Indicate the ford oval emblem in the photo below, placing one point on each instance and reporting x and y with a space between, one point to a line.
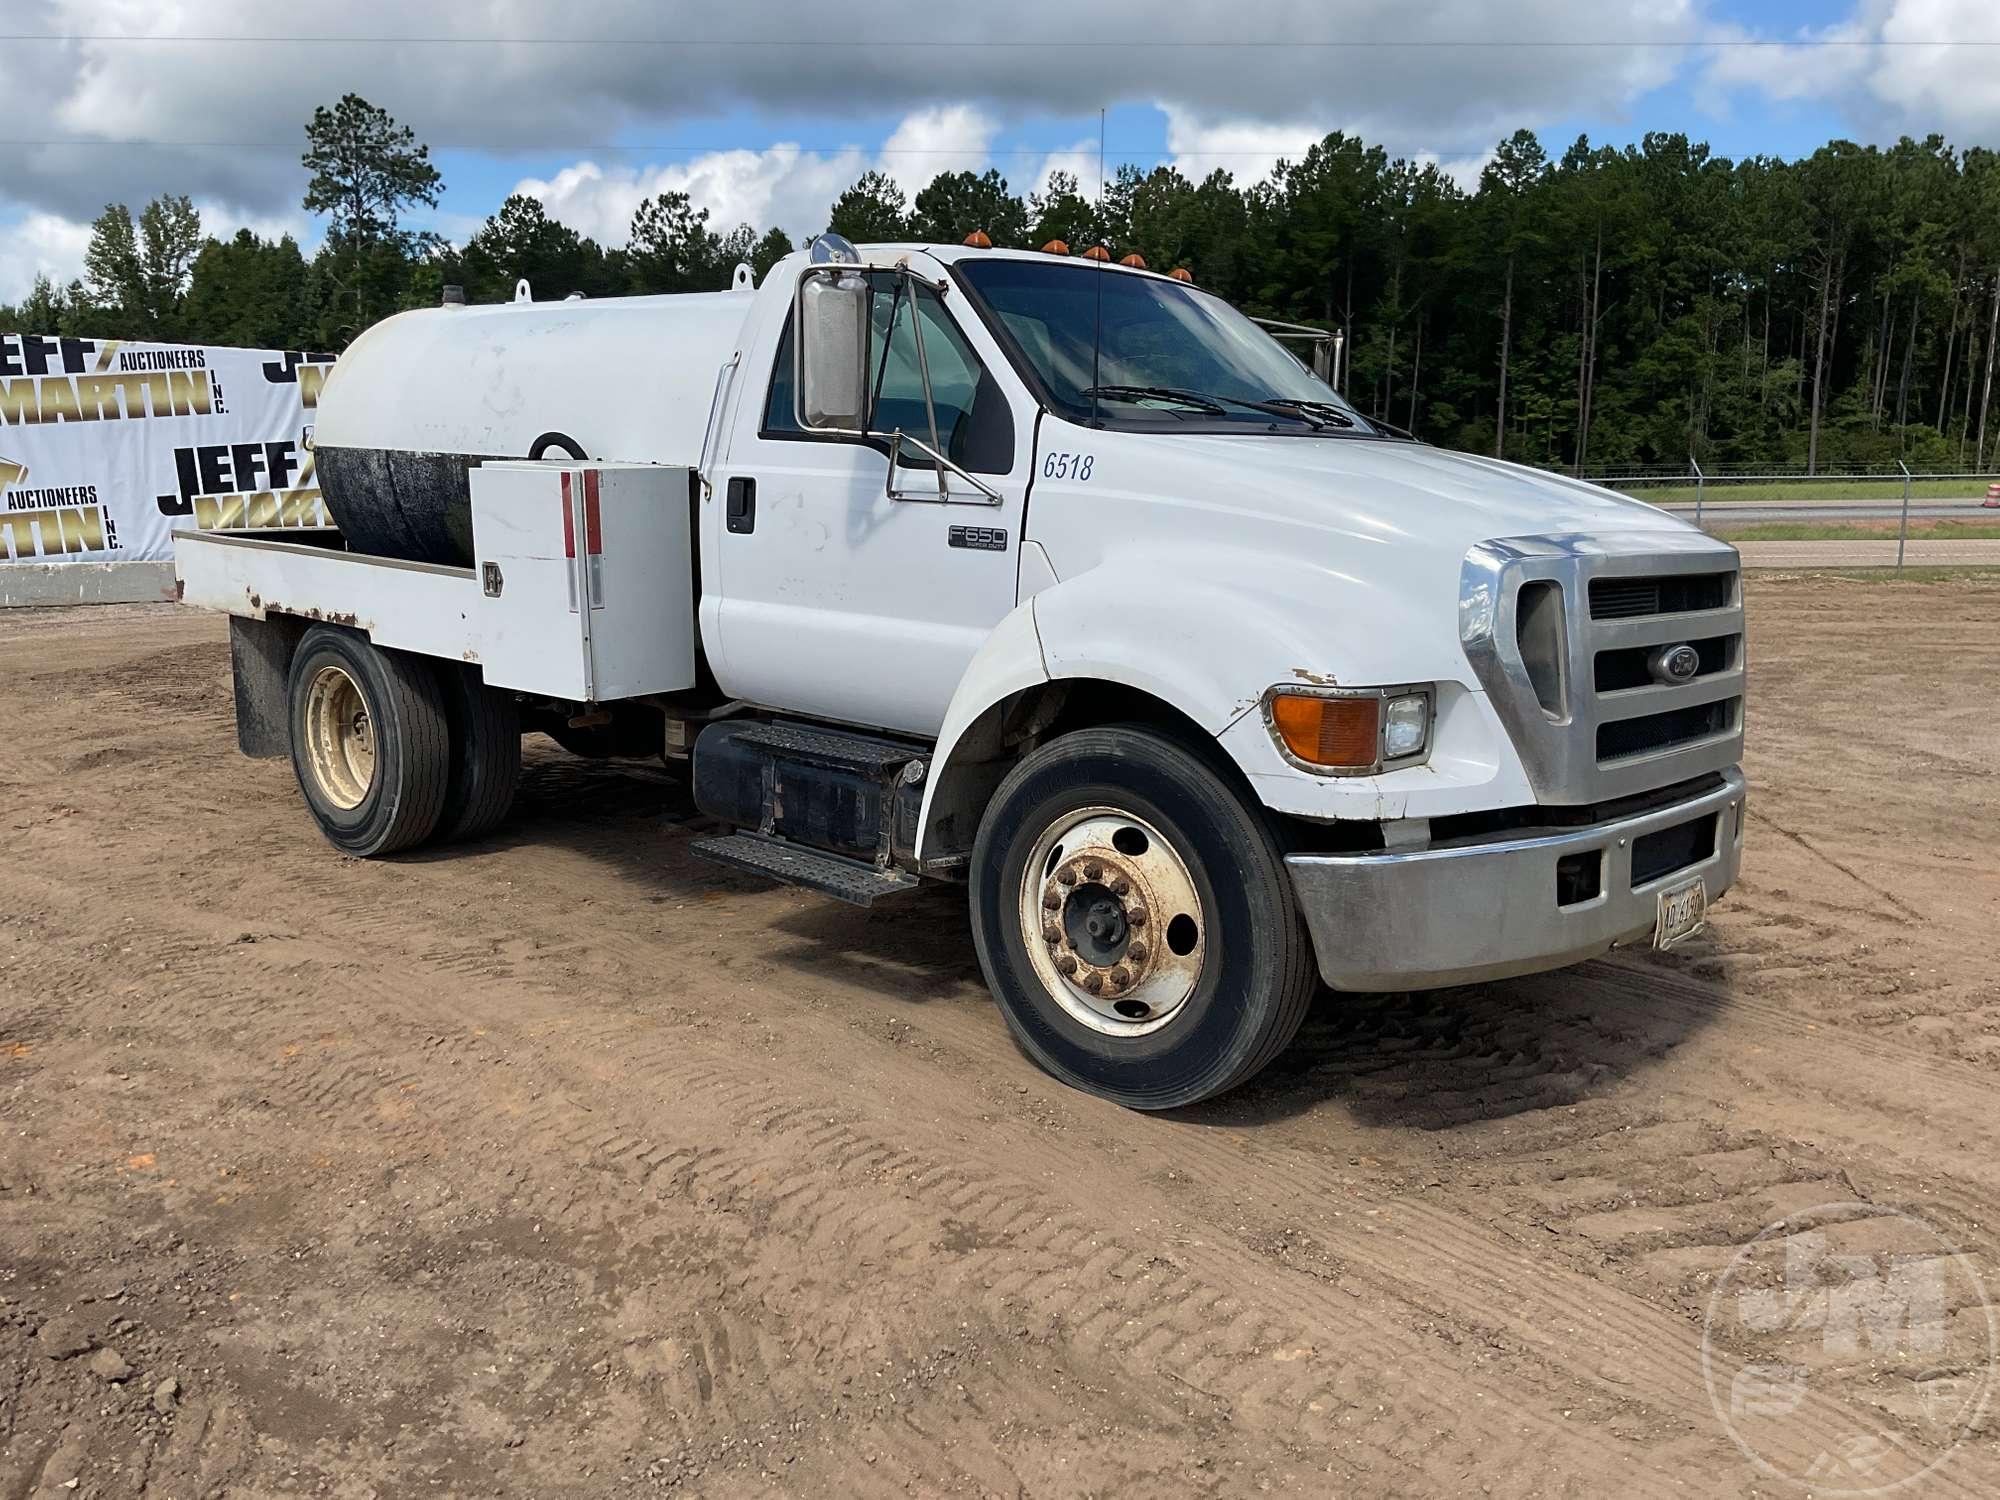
1674 665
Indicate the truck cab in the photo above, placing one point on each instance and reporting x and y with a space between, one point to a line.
1062 580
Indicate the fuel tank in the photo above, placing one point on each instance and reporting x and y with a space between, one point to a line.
420 399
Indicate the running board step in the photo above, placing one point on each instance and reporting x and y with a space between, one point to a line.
846 880
829 747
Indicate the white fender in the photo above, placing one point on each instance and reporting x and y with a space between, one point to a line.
1009 661
1206 631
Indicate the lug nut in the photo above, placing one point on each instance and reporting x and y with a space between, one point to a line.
1121 977
1051 933
1137 953
1120 885
1093 871
1136 916
1065 876
1050 901
1065 963
1093 982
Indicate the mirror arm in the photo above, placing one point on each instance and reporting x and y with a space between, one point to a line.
924 374
900 437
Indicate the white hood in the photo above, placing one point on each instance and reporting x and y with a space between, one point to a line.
1330 555
1371 488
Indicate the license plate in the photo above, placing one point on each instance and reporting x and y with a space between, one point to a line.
1683 912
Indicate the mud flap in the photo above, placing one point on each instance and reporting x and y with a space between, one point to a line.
260 658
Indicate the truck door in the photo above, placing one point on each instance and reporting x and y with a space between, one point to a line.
834 599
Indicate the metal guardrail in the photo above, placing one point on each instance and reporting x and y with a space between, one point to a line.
1705 480
1693 472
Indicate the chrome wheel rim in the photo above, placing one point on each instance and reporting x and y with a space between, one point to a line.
1113 921
340 737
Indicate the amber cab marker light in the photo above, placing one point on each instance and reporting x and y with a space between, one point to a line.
1135 260
1181 273
1097 252
979 239
1056 247
1341 732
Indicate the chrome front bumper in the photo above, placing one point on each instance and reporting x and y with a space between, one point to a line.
1431 917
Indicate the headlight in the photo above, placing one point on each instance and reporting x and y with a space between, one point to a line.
1351 731
1406 725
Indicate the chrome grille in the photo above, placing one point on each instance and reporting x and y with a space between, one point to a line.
1589 714
1628 598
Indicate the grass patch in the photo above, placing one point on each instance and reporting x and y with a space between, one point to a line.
1858 531
1886 573
1831 490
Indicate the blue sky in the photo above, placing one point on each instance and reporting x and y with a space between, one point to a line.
764 112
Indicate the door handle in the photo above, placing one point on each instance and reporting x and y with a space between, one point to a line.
739 506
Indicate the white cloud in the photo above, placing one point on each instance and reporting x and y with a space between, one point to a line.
1887 66
178 110
41 244
1249 150
1079 161
954 138
51 245
783 185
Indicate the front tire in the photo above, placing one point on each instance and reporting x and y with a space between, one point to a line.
370 742
1135 921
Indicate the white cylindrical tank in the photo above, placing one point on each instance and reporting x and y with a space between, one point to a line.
421 398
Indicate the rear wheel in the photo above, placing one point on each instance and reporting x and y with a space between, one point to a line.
370 742
1135 921
485 753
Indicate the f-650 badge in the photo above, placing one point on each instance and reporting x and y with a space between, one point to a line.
980 538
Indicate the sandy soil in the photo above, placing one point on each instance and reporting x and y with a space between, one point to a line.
562 1164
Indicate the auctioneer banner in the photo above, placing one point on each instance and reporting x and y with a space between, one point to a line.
108 448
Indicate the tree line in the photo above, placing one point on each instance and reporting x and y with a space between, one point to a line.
1605 309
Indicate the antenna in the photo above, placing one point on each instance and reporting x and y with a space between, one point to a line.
1097 286
1100 157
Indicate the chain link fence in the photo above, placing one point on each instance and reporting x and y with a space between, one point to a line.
1707 493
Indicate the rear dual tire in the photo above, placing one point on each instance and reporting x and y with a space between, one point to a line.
391 750
1135 920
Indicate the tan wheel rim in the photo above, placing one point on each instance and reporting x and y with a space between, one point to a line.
1113 921
340 737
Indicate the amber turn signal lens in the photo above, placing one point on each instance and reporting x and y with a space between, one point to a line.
1344 732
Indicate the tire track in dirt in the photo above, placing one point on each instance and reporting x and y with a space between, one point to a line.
823 1134
891 1233
1040 1253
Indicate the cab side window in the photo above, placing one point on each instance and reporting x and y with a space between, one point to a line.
974 425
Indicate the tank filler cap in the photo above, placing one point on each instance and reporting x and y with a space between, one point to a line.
522 291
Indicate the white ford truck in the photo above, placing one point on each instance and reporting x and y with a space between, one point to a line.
1055 578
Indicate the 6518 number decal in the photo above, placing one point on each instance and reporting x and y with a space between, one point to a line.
1068 466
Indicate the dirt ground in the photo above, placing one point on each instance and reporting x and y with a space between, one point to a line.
564 1164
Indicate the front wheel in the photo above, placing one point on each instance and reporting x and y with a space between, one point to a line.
1135 921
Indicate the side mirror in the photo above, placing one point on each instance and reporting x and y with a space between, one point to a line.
830 316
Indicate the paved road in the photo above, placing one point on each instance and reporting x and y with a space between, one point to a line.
1921 553
1757 512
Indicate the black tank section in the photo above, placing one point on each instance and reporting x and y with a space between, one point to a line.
413 506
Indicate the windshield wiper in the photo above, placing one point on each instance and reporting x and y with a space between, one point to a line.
1157 393
1326 411
1214 403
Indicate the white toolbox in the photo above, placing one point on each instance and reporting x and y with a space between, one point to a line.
586 578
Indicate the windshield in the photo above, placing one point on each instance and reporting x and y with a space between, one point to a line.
1169 352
